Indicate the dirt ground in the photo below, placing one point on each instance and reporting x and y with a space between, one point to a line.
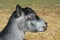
51 16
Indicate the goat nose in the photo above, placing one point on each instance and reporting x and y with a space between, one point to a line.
46 23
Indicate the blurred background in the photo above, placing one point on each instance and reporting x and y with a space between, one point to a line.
49 10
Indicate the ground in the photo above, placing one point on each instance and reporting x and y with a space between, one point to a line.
49 10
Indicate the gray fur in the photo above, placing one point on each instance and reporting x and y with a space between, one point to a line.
22 20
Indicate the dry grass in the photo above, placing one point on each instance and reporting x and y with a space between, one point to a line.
51 16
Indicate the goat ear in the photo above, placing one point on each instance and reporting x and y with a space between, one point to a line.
19 10
18 7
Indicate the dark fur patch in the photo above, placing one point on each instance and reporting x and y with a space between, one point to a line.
27 11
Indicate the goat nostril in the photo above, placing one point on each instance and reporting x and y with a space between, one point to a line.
45 23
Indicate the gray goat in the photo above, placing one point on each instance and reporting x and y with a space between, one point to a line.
22 20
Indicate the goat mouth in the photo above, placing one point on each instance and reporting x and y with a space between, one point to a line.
45 28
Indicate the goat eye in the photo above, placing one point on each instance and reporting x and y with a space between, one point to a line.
30 18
